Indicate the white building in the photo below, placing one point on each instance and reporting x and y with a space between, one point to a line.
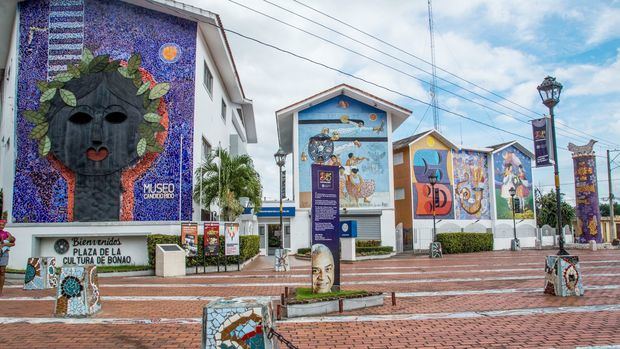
350 128
205 107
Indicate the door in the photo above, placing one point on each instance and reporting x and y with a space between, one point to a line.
274 239
262 238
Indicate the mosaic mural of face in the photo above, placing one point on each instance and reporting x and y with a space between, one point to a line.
322 269
99 135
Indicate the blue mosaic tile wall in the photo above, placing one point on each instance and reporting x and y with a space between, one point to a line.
52 33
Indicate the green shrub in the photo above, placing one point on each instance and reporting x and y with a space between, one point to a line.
249 247
367 243
465 242
305 250
373 251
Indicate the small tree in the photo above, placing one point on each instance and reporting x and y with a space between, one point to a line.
546 211
222 179
605 209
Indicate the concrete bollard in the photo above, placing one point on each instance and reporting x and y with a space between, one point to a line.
77 294
593 246
563 276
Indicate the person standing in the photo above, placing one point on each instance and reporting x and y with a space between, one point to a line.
6 242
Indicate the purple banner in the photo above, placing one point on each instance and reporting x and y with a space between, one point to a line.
542 141
325 226
586 193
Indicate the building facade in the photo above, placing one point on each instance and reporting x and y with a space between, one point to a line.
108 108
352 129
472 193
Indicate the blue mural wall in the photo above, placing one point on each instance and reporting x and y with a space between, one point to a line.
55 35
353 136
471 185
513 169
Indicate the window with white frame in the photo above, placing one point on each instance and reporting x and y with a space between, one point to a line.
398 158
399 194
223 110
206 148
208 79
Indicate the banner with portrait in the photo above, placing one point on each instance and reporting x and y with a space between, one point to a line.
325 250
189 238
231 230
211 239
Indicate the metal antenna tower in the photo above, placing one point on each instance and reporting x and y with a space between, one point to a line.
434 68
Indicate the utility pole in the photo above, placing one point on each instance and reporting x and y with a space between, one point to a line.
612 222
433 67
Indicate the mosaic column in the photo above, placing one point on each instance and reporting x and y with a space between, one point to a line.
238 323
586 193
77 294
40 273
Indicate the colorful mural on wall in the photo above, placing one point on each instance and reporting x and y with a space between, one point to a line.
349 134
40 273
77 294
586 191
430 156
238 323
102 110
513 169
471 185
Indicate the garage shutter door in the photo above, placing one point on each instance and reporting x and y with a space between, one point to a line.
368 227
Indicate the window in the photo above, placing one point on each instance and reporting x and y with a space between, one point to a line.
399 194
223 110
206 148
398 158
208 79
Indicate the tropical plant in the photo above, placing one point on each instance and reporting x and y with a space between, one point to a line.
605 209
546 210
222 179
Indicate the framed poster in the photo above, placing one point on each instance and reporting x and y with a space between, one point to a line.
189 238
211 239
232 239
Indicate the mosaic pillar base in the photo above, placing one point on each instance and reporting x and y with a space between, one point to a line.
563 276
434 250
282 261
238 323
77 294
515 245
40 273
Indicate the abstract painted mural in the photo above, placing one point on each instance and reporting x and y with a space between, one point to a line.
587 208
40 273
513 169
471 185
431 157
238 323
352 135
105 98
77 294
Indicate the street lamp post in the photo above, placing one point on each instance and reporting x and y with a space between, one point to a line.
280 157
432 179
515 245
549 91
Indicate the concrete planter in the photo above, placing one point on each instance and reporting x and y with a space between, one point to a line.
319 308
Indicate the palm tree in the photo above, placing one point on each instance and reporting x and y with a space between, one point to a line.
225 180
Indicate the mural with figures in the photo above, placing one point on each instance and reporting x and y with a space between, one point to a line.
471 185
430 156
513 169
352 135
105 98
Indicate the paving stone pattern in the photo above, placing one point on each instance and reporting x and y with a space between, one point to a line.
457 301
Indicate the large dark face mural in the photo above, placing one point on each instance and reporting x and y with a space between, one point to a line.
98 136
98 118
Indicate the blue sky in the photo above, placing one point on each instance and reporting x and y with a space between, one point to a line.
507 47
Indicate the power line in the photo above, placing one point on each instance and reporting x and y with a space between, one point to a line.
356 77
381 63
602 140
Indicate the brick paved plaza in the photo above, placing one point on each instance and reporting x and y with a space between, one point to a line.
491 299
